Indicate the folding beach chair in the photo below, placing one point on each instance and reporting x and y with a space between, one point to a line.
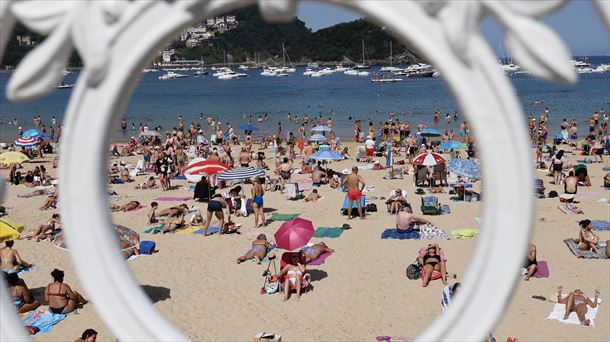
421 176
287 259
430 205
439 174
539 188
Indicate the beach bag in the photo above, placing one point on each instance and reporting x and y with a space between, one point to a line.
147 247
414 270
272 285
371 208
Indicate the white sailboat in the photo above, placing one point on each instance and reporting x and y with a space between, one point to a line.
363 65
390 68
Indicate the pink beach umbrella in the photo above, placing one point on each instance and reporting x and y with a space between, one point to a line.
429 159
294 234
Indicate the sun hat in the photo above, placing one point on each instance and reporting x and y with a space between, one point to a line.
345 171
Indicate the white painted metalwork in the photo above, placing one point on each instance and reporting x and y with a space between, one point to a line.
116 40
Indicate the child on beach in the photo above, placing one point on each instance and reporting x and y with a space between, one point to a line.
152 218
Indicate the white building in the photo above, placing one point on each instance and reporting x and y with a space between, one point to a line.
220 20
210 22
167 55
231 19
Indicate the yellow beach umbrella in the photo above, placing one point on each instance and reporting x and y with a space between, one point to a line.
8 158
9 230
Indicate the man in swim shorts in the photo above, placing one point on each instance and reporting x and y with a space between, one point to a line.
354 184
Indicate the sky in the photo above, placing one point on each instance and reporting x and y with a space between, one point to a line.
577 23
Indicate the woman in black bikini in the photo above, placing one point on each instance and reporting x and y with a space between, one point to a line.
61 298
431 261
216 207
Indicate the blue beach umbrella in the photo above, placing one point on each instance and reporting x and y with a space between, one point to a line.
429 132
452 144
317 137
32 133
248 127
327 156
465 168
322 128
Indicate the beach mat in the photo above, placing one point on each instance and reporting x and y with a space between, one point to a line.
283 217
152 230
573 246
320 260
600 225
464 233
326 232
169 199
559 311
394 233
569 208
211 230
543 270
42 320
188 230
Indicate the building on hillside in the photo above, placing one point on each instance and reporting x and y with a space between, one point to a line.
231 19
25 40
167 55
210 22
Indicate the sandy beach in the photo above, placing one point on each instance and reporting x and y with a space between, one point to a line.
359 293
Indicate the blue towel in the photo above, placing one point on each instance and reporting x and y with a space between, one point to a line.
24 270
354 204
43 321
393 233
600 225
211 230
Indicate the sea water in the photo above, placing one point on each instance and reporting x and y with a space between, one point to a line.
156 102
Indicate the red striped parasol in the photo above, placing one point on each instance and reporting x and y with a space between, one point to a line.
429 159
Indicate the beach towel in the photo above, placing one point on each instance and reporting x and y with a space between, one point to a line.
169 199
543 270
464 233
283 217
569 208
600 225
42 320
266 258
325 232
393 233
211 230
320 260
25 269
573 246
354 204
188 230
559 311
154 229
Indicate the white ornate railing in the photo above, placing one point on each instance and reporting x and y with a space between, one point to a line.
117 39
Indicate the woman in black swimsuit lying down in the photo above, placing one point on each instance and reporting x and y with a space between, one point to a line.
61 298
431 261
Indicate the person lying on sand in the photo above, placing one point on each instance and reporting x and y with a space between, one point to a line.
46 231
10 260
314 196
173 211
313 252
588 239
38 192
260 248
21 294
50 202
577 302
150 184
531 264
405 220
61 298
173 222
431 261
129 206
294 272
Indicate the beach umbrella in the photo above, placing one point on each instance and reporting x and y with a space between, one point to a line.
26 142
241 173
9 230
429 132
294 234
194 171
429 159
317 137
127 239
452 144
8 158
248 127
322 128
150 134
327 156
33 133
464 168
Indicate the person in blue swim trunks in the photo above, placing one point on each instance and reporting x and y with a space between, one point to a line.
313 252
257 203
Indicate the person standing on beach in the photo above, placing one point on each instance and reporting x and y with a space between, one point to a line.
354 184
257 203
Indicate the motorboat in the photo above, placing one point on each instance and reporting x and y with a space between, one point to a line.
363 73
390 69
584 70
170 75
602 68
63 85
150 70
243 67
340 68
384 78
269 72
200 72
419 70
351 72
309 72
580 64
221 71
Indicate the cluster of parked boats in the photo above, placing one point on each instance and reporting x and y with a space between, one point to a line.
582 67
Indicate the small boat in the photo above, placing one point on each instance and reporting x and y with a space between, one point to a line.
308 72
150 70
170 75
385 80
363 73
200 72
584 70
243 67
63 85
351 72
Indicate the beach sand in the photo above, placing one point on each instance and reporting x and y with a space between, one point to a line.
359 293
